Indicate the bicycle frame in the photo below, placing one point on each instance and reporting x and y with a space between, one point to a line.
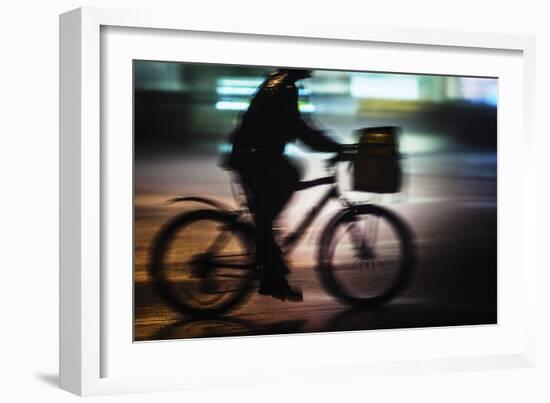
290 241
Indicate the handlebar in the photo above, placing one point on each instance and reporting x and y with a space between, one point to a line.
346 154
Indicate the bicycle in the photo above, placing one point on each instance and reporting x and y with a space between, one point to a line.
203 260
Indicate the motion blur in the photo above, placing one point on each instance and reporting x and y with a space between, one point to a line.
183 114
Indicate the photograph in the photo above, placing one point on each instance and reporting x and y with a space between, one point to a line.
273 200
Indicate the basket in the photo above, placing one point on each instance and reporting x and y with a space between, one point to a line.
377 165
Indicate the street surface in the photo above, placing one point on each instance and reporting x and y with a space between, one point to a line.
449 202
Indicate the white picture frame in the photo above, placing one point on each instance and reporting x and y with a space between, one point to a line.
84 310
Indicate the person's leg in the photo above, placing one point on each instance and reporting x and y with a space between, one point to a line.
269 187
262 208
275 191
283 178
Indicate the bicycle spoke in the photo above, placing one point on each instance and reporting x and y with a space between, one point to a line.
233 261
364 258
206 263
374 231
219 242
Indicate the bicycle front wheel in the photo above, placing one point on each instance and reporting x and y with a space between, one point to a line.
366 256
203 262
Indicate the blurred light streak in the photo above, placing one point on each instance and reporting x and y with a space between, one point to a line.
291 150
415 143
235 90
248 91
479 90
231 106
384 87
306 107
240 82
328 87
385 107
225 148
242 106
294 151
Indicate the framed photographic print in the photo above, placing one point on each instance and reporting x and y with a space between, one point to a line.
237 194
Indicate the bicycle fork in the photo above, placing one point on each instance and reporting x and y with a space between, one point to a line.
363 239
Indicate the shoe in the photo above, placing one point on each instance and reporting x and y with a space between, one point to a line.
281 290
292 294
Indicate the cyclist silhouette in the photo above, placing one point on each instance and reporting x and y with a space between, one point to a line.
268 177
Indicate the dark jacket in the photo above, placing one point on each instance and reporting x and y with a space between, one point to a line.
273 120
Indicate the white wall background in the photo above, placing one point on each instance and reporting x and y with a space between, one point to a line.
29 201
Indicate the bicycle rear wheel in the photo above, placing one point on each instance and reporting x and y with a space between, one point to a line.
203 262
366 256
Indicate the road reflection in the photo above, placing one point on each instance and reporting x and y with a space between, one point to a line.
405 313
224 327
